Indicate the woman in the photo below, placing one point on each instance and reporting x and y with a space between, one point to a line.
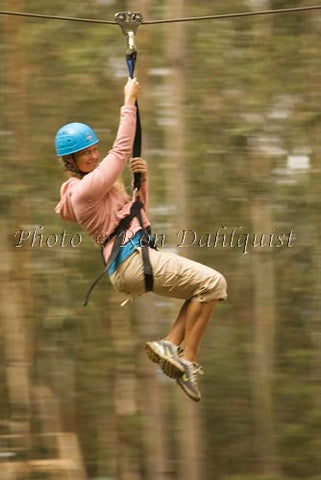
94 198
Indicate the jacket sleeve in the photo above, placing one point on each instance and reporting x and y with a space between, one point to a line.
99 181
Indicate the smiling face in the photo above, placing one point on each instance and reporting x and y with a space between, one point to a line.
87 159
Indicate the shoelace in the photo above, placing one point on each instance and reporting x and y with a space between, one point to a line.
197 369
180 350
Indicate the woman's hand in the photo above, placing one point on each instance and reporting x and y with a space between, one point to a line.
131 91
138 165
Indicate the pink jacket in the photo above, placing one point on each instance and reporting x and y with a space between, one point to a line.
93 201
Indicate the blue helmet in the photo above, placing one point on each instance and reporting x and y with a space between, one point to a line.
73 137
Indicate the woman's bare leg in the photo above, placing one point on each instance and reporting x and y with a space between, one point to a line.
190 326
177 331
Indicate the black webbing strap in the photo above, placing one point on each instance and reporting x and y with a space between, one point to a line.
137 147
124 224
147 266
148 270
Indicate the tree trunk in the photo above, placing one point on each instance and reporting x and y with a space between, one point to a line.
124 393
151 398
15 292
264 322
187 421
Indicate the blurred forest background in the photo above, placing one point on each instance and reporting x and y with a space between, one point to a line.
231 128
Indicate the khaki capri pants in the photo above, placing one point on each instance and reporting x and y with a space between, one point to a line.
174 276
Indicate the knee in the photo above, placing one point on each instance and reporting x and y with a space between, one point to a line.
222 282
219 286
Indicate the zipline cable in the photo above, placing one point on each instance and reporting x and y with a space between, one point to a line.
172 20
233 15
55 17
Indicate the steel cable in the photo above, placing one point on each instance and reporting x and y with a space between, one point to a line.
172 20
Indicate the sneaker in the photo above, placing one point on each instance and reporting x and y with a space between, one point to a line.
188 381
165 353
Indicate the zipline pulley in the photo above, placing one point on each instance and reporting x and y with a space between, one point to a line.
129 22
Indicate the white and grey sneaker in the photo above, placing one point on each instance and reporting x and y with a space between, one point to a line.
166 354
188 381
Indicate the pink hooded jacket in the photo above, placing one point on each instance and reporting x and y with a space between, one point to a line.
93 201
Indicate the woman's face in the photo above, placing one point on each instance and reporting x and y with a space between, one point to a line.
87 159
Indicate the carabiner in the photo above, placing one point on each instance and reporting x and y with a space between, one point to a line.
129 22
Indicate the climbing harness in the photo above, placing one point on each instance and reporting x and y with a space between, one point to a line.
129 23
119 234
